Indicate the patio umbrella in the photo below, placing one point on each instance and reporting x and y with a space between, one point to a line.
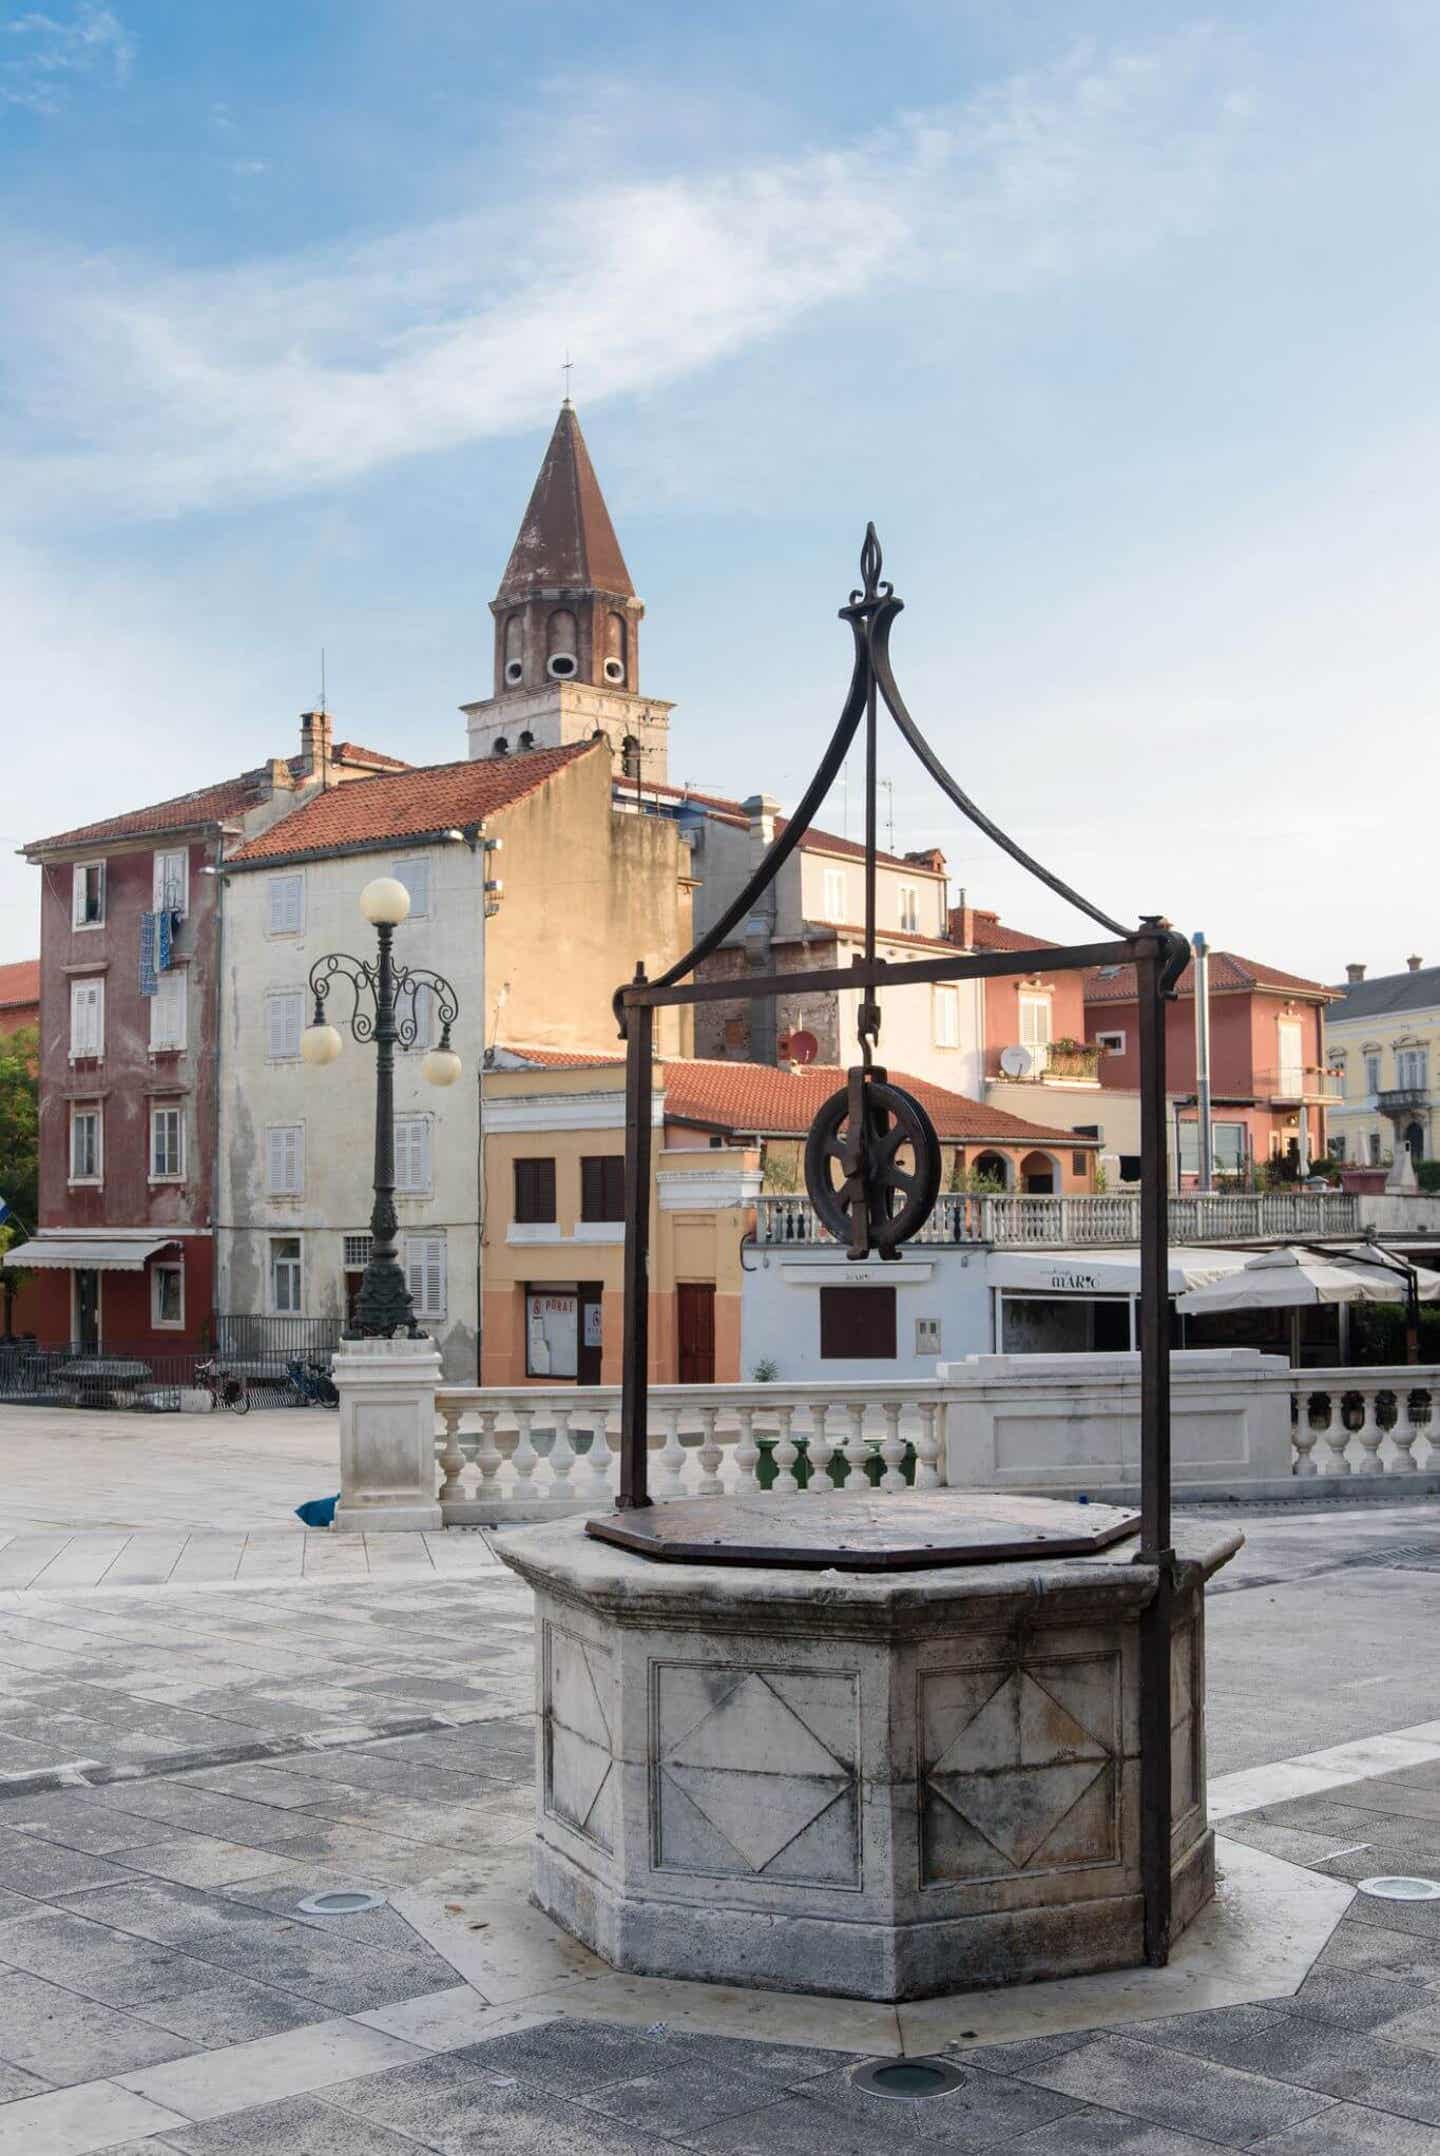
1292 1276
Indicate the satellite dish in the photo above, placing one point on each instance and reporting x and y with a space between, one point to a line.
1016 1062
803 1047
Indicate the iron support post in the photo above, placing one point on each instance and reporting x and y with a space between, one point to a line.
1156 1796
635 1408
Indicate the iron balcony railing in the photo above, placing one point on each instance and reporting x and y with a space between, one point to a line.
1113 1217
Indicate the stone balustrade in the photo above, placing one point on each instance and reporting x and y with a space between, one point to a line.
545 1452
1013 1221
1379 1421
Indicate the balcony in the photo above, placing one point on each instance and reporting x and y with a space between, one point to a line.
1056 1063
1049 1223
1403 1100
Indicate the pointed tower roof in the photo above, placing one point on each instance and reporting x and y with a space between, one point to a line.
566 540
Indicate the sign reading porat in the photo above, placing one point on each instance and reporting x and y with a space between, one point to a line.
551 1332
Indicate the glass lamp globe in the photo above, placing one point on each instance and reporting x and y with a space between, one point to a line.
320 1044
441 1066
385 902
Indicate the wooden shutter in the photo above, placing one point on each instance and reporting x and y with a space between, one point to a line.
412 1152
534 1190
87 1018
602 1186
425 1274
286 896
283 1017
857 1324
285 1160
167 1011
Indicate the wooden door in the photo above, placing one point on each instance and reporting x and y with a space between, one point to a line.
589 1347
87 1310
695 1312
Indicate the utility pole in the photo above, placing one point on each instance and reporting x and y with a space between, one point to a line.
1202 1059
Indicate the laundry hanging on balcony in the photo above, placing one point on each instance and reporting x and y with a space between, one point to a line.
157 938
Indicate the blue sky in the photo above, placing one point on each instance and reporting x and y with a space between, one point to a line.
1121 322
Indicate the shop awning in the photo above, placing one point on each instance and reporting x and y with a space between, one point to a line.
1106 1271
87 1253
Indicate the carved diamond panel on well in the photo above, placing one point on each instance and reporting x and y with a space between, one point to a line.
579 1751
1185 1725
754 1773
1019 1769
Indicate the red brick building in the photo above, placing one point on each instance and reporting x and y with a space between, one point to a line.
129 930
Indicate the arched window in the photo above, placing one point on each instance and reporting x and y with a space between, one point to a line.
502 746
561 647
514 650
527 739
630 757
991 1168
615 631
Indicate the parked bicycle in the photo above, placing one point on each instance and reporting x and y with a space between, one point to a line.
224 1387
310 1378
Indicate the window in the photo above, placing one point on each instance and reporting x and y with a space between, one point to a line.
286 904
1290 1038
1227 1142
534 1190
285 1275
834 904
1374 1148
167 1011
85 1145
910 908
285 1160
284 1022
1035 1029
602 1187
947 1018
418 1003
167 1295
167 1144
412 1153
1129 1167
1372 1071
415 875
87 894
425 1274
1412 1071
857 1324
357 1252
171 890
1079 1163
1337 1149
1113 1044
87 1019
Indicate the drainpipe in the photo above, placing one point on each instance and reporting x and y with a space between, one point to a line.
1202 1060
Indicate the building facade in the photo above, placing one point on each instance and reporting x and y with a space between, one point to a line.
1037 1061
19 995
1382 1037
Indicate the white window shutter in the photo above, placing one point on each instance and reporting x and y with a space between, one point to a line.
415 875
272 1026
77 895
273 1163
287 894
295 1159
422 1152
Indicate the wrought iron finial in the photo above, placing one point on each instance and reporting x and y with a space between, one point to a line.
872 561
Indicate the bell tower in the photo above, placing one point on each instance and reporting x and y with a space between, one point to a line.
567 628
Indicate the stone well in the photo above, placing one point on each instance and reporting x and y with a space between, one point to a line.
883 1783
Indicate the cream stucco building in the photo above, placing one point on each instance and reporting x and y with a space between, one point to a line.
1383 1038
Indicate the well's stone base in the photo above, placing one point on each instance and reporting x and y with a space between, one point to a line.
882 1787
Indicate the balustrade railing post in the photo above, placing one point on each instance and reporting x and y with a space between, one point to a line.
821 1482
486 1454
857 1452
524 1460
786 1454
747 1452
1405 1432
892 1447
1370 1434
452 1457
562 1453
927 1448
710 1454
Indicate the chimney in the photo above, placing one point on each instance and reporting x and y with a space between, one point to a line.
1354 973
930 857
1414 961
761 809
317 734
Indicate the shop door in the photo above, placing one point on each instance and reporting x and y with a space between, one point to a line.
87 1311
591 1333
695 1300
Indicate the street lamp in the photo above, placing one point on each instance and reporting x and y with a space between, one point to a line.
384 1008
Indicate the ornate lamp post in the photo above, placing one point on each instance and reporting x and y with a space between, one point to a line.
384 1008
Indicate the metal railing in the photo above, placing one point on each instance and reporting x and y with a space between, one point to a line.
112 1375
1011 1221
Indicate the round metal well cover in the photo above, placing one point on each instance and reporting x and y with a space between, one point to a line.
1396 1887
908 1531
908 2080
342 1901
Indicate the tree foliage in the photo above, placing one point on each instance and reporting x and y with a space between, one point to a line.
20 1126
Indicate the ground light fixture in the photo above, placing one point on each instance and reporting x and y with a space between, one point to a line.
389 1003
907 2080
340 1901
1396 1887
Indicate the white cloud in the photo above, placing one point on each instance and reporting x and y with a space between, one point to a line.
160 392
35 70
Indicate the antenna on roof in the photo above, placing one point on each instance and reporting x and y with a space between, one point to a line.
323 705
565 370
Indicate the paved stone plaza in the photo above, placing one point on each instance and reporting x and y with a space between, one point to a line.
186 1754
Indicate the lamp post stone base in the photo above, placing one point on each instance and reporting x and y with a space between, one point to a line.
387 1435
882 1786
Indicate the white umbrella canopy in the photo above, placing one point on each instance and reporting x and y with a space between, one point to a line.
1291 1278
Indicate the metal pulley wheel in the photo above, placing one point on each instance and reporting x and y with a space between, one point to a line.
858 1183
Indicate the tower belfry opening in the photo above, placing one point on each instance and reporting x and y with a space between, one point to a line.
567 625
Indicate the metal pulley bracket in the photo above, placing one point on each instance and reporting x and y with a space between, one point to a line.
858 1183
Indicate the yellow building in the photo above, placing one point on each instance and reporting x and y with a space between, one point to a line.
1383 1037
554 1230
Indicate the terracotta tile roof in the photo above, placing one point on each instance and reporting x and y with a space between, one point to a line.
989 933
557 1059
210 804
19 983
1229 974
566 538
410 804
350 752
757 1097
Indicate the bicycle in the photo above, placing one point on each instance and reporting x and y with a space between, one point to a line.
224 1388
313 1382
